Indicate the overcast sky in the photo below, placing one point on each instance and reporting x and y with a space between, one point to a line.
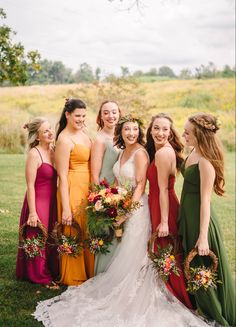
177 33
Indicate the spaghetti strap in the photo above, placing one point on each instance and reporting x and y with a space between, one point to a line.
39 153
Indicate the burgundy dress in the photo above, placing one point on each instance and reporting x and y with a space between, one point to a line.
175 284
41 269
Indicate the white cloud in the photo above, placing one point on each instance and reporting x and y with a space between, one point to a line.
178 33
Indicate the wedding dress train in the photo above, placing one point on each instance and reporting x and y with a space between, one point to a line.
128 293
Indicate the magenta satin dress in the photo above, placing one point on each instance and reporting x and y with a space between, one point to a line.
42 269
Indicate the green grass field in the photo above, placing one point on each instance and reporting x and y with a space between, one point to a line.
18 299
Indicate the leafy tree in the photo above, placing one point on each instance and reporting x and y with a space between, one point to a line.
98 74
152 72
228 72
52 72
208 71
166 71
14 62
124 71
84 74
185 73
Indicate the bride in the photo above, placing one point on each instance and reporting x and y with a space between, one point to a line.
128 293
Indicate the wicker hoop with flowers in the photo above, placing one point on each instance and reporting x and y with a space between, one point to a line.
33 245
200 277
164 259
67 244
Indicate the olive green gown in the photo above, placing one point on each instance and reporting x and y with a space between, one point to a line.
217 304
109 159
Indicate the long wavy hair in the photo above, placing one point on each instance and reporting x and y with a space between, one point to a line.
70 106
210 147
33 128
173 139
99 120
118 140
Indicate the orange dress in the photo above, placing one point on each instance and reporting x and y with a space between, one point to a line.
76 270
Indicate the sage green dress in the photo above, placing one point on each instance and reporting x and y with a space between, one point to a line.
216 304
109 159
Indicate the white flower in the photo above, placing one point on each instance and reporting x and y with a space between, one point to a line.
98 205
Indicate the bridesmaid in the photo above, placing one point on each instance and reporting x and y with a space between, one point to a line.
103 157
39 203
165 152
72 162
198 225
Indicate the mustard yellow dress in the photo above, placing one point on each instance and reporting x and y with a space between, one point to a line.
76 270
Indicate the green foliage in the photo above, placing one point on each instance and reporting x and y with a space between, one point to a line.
166 71
84 74
14 62
51 72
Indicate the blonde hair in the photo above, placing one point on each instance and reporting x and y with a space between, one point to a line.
210 147
33 127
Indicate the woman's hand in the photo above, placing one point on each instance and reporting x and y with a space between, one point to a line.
66 218
121 220
33 219
203 246
163 229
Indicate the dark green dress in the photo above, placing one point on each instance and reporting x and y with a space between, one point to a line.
217 304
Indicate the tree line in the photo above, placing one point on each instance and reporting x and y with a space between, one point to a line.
20 68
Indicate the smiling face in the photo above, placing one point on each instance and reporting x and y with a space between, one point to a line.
45 133
110 114
188 134
130 133
76 118
160 131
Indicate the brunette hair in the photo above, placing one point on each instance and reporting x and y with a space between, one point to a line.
99 120
173 139
70 106
33 127
210 147
118 140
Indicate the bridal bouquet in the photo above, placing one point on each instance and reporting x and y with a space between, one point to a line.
106 207
33 246
201 277
164 262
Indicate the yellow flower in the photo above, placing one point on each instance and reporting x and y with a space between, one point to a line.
172 257
102 192
65 245
100 242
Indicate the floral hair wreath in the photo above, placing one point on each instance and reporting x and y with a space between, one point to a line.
130 118
212 126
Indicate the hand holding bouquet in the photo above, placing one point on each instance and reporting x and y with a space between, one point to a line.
163 259
107 209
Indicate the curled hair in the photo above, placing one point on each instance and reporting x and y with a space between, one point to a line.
118 140
210 147
174 141
99 120
33 127
70 106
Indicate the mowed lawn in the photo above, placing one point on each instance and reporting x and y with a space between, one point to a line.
18 299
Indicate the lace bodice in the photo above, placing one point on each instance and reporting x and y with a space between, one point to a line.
125 173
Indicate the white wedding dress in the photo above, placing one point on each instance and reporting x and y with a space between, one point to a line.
128 293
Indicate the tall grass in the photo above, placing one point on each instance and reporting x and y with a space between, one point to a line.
178 98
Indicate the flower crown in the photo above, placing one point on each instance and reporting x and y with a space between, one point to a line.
209 125
130 118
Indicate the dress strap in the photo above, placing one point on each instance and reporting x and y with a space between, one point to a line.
39 153
144 150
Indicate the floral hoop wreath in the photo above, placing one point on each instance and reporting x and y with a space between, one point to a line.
57 232
42 228
130 118
151 243
190 257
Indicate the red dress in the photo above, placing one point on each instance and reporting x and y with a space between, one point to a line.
175 284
